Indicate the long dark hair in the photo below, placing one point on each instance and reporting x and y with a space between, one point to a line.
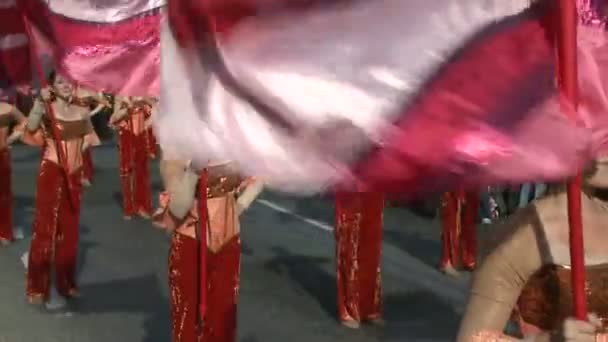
52 77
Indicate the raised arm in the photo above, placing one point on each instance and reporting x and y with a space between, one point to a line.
252 189
497 284
97 109
120 111
183 193
149 121
35 117
21 121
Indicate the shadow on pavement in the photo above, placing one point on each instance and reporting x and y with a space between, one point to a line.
84 247
138 295
422 314
249 339
33 154
419 247
23 213
308 273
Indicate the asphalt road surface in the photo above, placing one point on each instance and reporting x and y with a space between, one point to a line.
288 280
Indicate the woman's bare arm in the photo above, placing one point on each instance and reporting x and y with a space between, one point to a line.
35 117
253 189
502 276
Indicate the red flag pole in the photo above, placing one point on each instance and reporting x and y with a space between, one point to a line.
61 154
569 87
203 223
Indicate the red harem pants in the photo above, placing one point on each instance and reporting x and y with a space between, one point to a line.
222 290
55 232
88 171
359 218
134 173
6 197
459 220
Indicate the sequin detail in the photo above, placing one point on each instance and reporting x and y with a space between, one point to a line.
546 300
359 218
134 172
488 336
223 180
55 232
459 211
222 264
223 269
590 13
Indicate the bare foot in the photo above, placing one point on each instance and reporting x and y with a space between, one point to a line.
351 324
5 242
56 301
74 293
144 214
450 270
25 258
35 299
85 182
127 217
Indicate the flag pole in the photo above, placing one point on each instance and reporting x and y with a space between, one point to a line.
61 153
568 82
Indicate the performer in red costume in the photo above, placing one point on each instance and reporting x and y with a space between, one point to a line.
459 212
54 246
88 169
204 260
132 119
359 217
9 116
152 143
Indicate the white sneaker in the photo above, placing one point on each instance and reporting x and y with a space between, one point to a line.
486 220
25 259
55 302
18 233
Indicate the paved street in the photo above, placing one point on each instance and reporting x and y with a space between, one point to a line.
288 279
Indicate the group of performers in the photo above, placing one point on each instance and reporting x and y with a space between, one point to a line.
522 275
200 207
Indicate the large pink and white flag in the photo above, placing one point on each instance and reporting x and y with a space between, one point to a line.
105 45
15 67
387 95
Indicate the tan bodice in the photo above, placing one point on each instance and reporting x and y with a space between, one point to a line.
72 138
223 184
135 121
223 180
6 120
68 130
546 300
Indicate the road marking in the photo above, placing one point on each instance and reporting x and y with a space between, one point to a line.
316 223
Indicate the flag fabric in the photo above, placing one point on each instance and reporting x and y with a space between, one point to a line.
111 46
388 95
15 67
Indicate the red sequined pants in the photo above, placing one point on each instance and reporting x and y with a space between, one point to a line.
222 290
459 220
6 197
55 232
88 171
359 218
134 173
